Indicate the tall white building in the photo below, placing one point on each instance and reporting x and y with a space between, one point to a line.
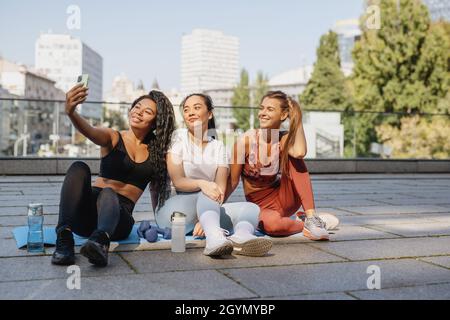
209 59
348 33
63 58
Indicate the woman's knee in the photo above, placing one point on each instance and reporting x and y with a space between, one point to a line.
108 192
205 199
269 227
271 223
249 212
124 228
79 169
180 203
205 203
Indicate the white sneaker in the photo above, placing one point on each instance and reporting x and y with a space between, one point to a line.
250 245
330 220
314 229
217 244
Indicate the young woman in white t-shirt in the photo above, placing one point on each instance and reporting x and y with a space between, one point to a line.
198 167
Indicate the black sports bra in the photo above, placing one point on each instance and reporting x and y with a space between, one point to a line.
117 165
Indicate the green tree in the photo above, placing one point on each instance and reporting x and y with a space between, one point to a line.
444 103
400 67
419 137
241 98
326 89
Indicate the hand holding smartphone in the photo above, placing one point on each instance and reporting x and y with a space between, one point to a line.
77 94
83 79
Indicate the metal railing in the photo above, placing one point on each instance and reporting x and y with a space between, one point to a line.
40 128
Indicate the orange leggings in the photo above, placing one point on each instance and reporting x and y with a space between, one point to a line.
280 202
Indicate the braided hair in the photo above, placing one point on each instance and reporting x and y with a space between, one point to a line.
158 141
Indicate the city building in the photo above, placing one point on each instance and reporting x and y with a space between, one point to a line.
223 112
121 95
63 58
439 9
292 82
29 117
209 59
324 134
176 98
26 82
6 108
348 33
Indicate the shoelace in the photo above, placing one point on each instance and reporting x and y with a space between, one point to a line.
222 232
64 242
317 221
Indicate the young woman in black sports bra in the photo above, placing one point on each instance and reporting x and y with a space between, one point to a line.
130 160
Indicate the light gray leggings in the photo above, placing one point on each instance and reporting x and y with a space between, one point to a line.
194 204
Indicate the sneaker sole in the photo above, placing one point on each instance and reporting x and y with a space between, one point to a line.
224 250
63 262
310 236
253 248
94 254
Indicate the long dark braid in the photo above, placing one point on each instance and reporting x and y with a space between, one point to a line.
158 140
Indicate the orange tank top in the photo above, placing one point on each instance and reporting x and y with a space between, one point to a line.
260 169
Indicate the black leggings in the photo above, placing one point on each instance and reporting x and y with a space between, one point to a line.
84 208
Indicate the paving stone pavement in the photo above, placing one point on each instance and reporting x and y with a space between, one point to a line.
397 224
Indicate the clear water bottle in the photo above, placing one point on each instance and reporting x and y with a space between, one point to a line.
35 228
178 232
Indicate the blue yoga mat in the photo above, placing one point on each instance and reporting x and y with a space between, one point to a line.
21 236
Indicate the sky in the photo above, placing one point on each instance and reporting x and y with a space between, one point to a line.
142 39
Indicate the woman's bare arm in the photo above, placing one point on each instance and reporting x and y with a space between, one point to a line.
183 183
298 149
99 136
221 181
178 177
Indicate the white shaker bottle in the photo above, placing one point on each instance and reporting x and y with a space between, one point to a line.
178 231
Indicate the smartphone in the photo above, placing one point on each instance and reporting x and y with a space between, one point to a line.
84 79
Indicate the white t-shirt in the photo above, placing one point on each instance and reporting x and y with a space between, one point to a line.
198 163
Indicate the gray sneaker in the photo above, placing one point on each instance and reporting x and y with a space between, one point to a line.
331 221
314 229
